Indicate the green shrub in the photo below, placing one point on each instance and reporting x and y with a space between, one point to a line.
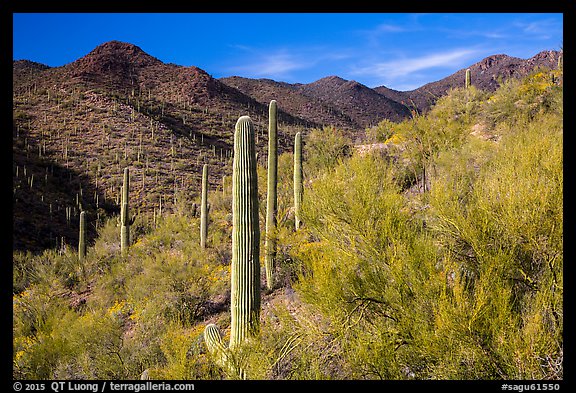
501 231
381 132
524 98
323 149
462 279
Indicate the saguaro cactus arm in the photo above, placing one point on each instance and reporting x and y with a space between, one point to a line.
219 353
216 348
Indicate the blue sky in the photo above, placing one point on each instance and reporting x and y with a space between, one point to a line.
397 50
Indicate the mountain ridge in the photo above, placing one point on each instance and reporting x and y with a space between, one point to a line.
328 100
76 126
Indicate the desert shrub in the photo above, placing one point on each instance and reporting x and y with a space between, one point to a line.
27 269
524 98
370 270
185 356
96 338
417 142
459 105
323 149
501 232
35 350
380 132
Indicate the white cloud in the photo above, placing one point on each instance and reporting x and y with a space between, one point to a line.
268 64
398 68
407 73
540 29
373 36
460 33
280 63
389 28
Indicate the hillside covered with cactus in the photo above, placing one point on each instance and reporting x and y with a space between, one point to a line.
76 127
435 252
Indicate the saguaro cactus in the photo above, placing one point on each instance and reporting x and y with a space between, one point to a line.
221 355
271 201
204 208
216 348
82 237
298 185
124 218
245 269
468 78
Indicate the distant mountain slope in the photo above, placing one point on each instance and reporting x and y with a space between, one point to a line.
364 105
330 100
80 124
485 74
290 97
75 127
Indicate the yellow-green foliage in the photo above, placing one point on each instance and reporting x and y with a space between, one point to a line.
370 272
476 292
129 317
181 347
462 279
323 149
380 132
540 92
505 244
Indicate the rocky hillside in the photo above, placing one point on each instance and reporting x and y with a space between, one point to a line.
486 74
76 127
304 106
330 100
364 105
352 105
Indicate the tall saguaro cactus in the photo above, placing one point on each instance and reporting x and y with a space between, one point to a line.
271 201
245 272
468 78
298 185
124 218
204 208
82 237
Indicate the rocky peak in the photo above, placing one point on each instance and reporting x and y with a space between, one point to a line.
112 58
